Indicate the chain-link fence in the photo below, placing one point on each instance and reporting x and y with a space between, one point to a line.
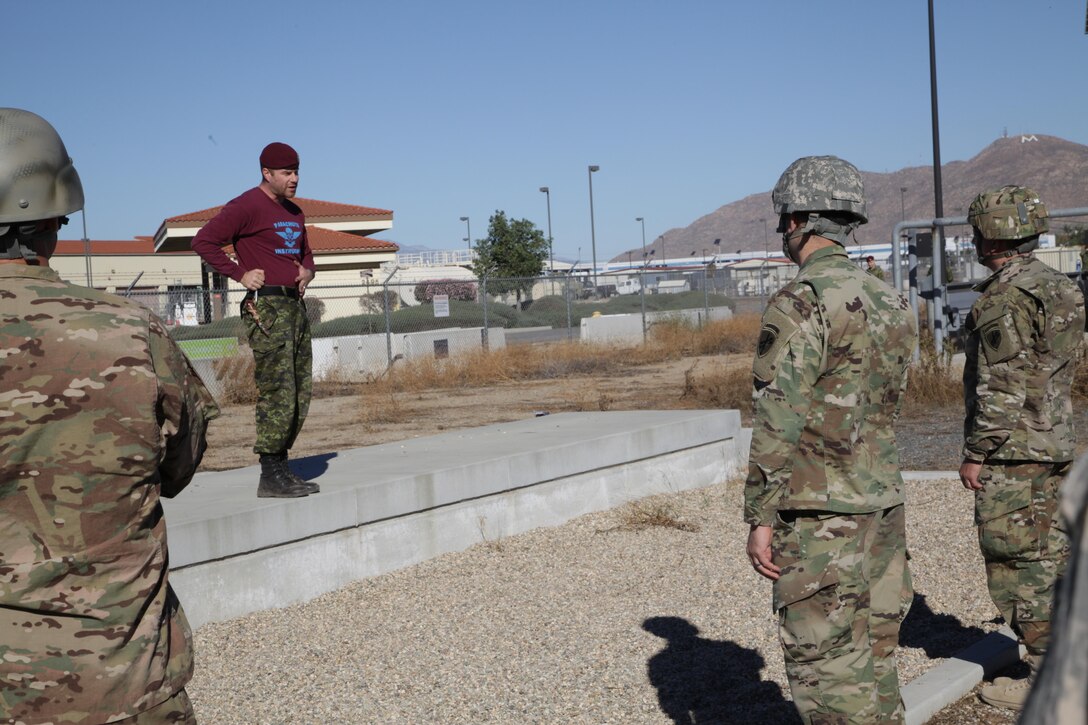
359 331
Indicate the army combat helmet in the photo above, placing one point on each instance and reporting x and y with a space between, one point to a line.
829 190
1009 214
37 183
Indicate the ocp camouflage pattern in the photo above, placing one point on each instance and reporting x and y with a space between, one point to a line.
844 591
829 377
100 412
1059 694
283 362
1023 542
1023 334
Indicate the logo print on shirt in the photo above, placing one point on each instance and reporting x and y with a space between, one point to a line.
290 233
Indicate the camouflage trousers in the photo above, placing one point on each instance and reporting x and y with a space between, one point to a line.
1023 543
175 711
843 592
282 367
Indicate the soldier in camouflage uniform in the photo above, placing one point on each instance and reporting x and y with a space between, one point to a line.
824 494
1059 694
1023 335
275 264
100 414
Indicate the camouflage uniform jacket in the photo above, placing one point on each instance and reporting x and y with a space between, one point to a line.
829 374
1024 331
99 413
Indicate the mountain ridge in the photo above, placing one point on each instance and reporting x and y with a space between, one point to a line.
1053 167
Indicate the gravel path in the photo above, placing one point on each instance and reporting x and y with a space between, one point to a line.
596 621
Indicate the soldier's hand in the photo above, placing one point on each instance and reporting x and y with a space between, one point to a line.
253 279
969 473
303 278
759 552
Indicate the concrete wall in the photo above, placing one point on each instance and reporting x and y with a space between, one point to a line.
360 356
393 505
627 329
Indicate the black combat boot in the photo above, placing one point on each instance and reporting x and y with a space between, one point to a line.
276 482
311 487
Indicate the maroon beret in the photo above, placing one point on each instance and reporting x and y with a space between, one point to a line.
278 155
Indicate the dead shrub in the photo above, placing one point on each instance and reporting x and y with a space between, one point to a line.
652 512
728 387
384 409
236 375
932 382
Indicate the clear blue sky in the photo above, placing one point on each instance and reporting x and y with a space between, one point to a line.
439 110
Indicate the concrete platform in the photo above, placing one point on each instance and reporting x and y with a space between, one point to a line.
393 505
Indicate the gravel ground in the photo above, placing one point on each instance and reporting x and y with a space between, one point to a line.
596 621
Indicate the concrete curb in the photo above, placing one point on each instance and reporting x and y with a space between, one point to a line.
950 681
947 683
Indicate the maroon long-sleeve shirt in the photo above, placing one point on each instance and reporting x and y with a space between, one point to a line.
266 235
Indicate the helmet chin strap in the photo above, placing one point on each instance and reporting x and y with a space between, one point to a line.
820 226
1023 248
24 241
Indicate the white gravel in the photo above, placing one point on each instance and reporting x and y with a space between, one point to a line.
590 622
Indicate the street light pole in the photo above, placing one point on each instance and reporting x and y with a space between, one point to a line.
551 255
643 222
766 247
592 229
902 206
468 230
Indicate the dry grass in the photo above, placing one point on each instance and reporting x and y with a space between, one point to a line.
652 512
667 341
735 335
723 387
384 408
932 382
1080 377
236 375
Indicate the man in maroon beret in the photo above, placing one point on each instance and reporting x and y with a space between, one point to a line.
275 264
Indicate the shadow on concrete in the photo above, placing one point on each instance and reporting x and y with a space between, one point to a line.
939 635
311 467
705 681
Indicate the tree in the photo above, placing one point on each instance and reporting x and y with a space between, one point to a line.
511 256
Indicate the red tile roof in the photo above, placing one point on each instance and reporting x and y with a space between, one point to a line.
329 241
139 245
323 241
313 209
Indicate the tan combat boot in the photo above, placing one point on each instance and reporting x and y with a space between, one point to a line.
1010 693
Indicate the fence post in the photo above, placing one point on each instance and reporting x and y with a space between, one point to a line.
642 300
483 299
388 317
566 295
706 298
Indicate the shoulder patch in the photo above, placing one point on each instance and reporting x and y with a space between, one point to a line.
998 334
774 336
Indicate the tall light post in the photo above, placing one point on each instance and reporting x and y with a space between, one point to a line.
902 204
468 230
592 230
551 256
642 221
766 247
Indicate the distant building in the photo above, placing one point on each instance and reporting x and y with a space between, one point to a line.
165 274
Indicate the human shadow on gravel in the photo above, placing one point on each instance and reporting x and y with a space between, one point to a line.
938 635
705 681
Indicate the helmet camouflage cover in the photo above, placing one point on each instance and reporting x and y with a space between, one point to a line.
1011 212
820 183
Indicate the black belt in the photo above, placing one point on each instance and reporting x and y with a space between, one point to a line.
274 290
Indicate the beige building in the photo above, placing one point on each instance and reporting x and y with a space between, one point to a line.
165 274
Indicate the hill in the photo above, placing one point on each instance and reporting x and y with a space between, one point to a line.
1053 167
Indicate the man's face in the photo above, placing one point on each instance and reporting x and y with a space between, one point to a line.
282 182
